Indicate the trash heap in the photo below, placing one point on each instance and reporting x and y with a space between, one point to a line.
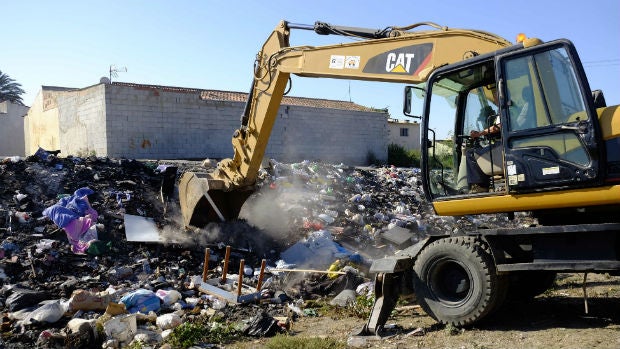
71 277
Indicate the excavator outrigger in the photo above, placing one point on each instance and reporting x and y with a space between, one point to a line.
562 166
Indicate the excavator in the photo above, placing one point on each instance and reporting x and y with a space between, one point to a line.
556 160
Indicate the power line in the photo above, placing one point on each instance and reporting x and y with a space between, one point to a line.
602 63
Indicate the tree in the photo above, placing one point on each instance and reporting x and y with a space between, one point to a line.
10 90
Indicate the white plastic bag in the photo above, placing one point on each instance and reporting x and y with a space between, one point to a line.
168 321
122 328
49 312
168 296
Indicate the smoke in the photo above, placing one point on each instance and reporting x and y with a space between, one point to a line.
174 232
277 210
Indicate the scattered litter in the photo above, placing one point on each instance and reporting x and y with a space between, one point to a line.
88 300
121 328
262 325
344 298
100 239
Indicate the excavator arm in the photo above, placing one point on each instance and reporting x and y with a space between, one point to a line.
392 54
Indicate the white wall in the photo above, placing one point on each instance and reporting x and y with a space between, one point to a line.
12 129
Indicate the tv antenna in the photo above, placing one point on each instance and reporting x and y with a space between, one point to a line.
114 70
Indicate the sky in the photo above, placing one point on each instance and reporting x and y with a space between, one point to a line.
212 44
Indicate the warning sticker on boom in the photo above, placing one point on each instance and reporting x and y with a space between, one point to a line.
352 62
336 62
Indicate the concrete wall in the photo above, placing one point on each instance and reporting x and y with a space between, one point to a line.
409 142
81 117
153 122
330 135
12 128
149 123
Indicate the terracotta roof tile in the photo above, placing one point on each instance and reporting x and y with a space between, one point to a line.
232 96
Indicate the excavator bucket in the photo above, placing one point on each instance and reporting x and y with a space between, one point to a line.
204 199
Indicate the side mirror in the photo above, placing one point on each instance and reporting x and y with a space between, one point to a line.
413 101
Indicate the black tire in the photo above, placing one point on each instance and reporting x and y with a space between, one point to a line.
525 285
456 282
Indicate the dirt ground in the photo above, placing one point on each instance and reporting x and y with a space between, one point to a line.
555 319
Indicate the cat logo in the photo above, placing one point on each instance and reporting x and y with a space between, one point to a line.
398 63
407 60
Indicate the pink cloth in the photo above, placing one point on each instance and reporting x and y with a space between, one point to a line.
79 233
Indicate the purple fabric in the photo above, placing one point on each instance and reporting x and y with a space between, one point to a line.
78 202
60 215
75 216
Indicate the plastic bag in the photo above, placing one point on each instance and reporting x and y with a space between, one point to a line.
168 321
262 325
168 296
23 298
122 328
50 313
141 300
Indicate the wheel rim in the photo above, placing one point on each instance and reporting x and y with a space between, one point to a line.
450 282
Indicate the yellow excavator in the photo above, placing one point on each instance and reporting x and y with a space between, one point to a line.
555 155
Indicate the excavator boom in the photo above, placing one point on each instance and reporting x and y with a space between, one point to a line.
389 55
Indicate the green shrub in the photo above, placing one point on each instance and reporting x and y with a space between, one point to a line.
401 157
191 333
371 159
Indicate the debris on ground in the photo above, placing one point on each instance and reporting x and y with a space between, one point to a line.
93 253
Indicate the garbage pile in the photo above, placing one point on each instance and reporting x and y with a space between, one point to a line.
77 271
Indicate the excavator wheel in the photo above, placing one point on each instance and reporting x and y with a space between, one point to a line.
455 281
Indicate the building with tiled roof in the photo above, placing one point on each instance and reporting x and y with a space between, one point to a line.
164 122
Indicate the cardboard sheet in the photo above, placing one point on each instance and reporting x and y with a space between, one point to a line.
141 229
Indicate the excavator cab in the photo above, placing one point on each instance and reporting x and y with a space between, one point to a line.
540 99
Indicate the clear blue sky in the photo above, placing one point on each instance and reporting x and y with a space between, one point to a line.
212 44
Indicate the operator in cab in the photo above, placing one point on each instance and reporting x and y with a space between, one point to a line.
487 156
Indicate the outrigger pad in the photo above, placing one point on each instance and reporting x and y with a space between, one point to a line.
387 292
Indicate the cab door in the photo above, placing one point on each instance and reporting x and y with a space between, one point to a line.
551 135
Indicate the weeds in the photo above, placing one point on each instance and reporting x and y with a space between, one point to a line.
288 342
362 306
190 333
452 330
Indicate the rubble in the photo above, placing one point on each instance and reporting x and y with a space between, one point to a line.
59 285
